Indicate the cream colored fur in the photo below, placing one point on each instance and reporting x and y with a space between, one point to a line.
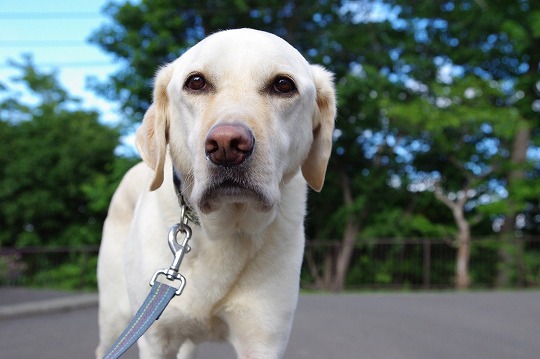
243 271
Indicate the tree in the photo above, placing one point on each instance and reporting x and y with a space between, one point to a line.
51 149
496 42
463 132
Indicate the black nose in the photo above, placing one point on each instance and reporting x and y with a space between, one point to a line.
229 145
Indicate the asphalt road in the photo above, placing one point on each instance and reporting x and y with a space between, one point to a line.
501 325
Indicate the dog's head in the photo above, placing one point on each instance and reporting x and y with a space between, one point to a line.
241 112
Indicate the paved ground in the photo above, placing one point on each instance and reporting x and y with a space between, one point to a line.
500 325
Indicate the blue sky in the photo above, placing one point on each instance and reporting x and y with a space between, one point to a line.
55 33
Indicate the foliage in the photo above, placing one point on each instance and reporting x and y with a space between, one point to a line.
484 75
101 189
52 149
66 269
11 267
76 274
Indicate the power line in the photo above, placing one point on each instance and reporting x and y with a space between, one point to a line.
42 43
49 15
67 64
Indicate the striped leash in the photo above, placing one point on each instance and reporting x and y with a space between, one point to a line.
160 294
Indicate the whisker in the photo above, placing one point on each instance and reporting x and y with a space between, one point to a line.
286 165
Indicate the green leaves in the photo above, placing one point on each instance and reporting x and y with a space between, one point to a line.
50 151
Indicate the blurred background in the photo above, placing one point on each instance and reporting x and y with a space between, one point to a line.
434 178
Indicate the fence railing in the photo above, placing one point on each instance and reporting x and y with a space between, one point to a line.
62 268
375 263
423 263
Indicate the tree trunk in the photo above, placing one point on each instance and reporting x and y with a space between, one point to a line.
463 279
508 231
349 237
336 261
345 253
463 256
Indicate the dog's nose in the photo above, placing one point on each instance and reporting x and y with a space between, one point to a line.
229 144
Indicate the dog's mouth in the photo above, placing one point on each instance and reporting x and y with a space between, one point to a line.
233 191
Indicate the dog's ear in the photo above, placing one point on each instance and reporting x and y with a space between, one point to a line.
153 135
314 167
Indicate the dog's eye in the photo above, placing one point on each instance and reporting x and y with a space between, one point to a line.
283 85
195 83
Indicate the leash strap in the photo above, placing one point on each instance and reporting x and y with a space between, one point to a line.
160 295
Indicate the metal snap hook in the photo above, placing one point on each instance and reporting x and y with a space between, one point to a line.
173 234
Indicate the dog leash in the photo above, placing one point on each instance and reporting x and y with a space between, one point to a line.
161 294
153 306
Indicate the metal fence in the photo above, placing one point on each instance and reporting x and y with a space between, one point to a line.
375 264
424 263
61 268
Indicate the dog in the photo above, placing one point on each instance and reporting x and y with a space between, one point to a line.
246 123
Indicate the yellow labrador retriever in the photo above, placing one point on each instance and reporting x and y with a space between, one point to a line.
245 121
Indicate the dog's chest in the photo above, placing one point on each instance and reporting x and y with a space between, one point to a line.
212 269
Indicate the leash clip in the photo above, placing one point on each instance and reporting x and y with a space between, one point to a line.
161 294
179 250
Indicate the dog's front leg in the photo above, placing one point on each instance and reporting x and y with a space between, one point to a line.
188 350
159 343
259 335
